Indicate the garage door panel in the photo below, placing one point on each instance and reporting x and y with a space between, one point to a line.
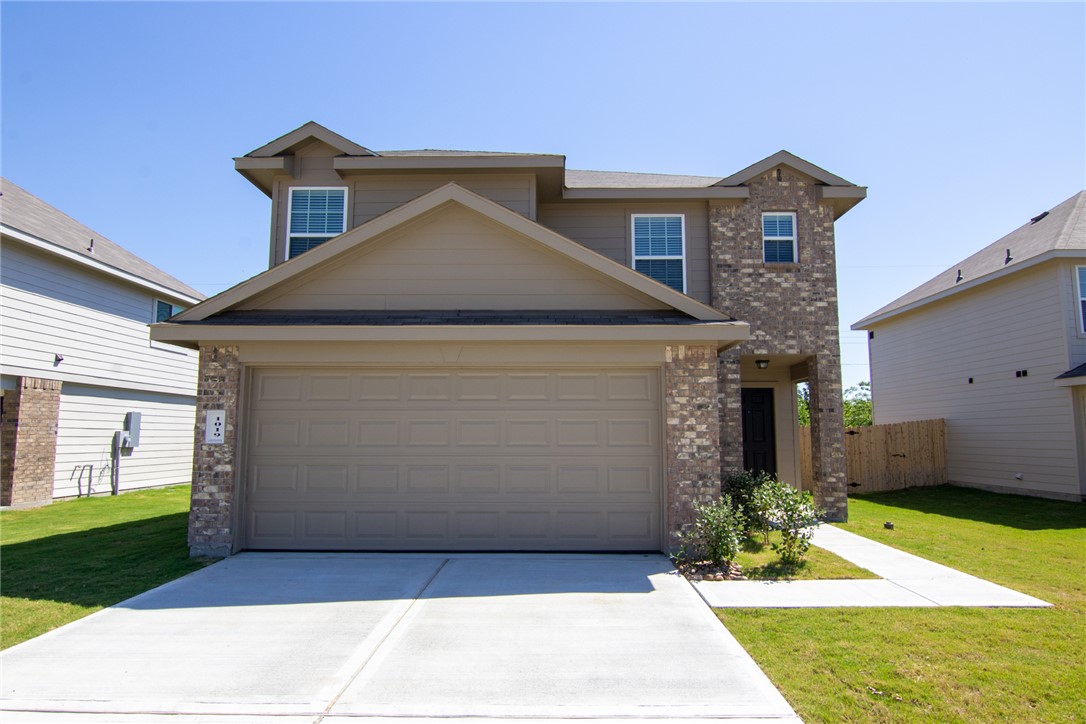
458 460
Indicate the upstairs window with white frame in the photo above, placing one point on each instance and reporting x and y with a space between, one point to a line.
1081 271
165 310
314 215
659 248
779 238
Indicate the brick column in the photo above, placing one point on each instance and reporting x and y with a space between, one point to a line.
731 412
28 437
214 479
692 434
828 436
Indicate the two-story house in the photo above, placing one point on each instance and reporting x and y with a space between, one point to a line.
996 346
487 351
89 402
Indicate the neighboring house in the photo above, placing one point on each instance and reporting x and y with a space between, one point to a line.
996 345
467 350
76 357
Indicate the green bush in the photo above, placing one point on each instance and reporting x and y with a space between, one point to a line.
740 487
716 532
795 514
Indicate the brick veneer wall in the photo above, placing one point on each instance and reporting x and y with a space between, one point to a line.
691 436
28 438
211 516
791 308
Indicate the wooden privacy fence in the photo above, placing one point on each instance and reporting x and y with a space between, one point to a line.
888 457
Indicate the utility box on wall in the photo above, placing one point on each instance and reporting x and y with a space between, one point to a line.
132 422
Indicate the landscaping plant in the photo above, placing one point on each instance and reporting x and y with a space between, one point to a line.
716 533
796 514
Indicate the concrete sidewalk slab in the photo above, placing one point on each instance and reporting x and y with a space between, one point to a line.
296 637
908 580
807 594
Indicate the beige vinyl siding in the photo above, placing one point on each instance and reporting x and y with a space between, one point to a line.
605 228
1000 425
90 415
374 195
369 196
454 259
100 327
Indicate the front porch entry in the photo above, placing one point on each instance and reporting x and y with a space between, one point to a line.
759 435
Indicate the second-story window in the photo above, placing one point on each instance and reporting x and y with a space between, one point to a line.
165 310
659 248
779 237
315 215
1081 272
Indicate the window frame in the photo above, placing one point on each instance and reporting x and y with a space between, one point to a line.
1080 277
290 208
174 309
634 257
794 238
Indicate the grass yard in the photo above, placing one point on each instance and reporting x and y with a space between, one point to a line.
760 562
66 560
943 664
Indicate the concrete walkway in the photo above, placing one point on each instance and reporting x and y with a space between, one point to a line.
293 638
907 580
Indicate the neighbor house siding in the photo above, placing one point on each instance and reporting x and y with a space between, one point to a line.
88 418
605 229
1000 425
100 327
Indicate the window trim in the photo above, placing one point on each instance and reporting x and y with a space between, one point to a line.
794 237
634 258
174 309
290 204
1080 275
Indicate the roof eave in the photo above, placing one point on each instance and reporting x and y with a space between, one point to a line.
102 267
722 335
643 193
877 318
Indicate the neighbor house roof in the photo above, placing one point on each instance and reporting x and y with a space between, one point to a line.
1059 232
27 218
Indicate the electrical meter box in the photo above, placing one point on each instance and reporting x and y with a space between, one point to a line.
132 427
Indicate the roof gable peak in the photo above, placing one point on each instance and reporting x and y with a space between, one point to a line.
788 159
303 133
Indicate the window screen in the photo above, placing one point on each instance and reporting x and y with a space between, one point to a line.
779 237
316 215
659 248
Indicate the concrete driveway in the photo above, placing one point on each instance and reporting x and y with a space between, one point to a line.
332 637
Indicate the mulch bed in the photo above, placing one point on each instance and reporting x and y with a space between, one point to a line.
707 571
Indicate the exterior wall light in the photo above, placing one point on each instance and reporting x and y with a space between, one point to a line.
761 363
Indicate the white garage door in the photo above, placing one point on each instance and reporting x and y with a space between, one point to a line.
453 460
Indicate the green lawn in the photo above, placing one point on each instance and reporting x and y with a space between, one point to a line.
760 562
66 560
943 664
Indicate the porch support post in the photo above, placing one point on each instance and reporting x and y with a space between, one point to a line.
829 478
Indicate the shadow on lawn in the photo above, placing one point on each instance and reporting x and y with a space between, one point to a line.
100 566
1013 511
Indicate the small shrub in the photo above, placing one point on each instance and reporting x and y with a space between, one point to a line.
763 505
740 487
795 514
716 533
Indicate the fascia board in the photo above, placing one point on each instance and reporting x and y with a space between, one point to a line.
110 382
709 192
788 159
310 129
869 321
1070 382
450 192
347 164
720 334
96 265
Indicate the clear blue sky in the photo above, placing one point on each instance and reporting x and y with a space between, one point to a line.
964 120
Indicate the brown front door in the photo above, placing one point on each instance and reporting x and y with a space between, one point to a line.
759 441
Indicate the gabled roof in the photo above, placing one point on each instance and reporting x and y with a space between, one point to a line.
1059 232
329 252
302 134
788 159
30 220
